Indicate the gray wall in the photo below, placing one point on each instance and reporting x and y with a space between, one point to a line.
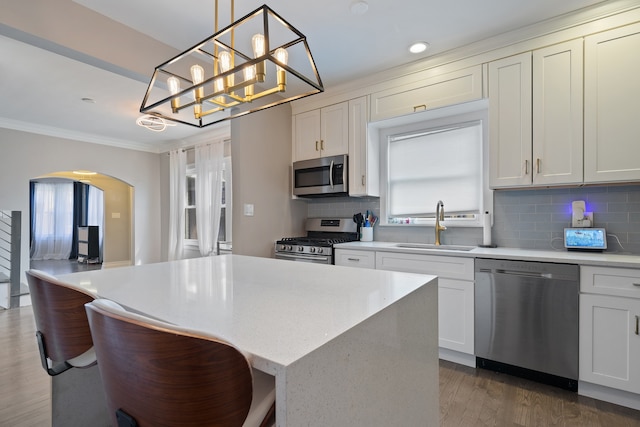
27 155
261 158
531 219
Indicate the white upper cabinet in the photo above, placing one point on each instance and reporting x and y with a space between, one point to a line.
321 133
363 153
437 91
510 121
612 112
557 114
535 116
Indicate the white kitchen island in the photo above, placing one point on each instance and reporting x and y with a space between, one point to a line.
348 347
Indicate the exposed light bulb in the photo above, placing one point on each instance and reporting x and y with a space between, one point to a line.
174 88
249 72
197 74
259 47
224 61
281 55
249 75
258 44
174 85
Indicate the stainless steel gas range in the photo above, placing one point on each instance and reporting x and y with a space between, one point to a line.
317 245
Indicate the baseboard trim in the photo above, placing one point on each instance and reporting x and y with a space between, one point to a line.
115 264
608 394
457 357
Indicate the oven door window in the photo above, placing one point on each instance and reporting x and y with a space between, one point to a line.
319 176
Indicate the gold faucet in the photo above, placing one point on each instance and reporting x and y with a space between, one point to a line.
439 217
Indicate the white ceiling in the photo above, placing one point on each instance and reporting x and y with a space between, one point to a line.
42 90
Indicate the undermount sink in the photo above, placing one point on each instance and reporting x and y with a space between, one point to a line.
432 246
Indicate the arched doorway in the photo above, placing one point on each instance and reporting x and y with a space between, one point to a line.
115 222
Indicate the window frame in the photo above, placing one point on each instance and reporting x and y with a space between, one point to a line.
227 198
427 121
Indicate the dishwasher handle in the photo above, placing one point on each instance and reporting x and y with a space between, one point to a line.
520 273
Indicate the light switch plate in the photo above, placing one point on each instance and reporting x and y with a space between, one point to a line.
248 209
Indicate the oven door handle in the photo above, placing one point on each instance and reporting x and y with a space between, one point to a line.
300 257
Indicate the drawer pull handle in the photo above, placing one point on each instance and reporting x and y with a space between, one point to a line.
637 321
526 167
636 284
322 144
316 145
423 106
358 260
538 164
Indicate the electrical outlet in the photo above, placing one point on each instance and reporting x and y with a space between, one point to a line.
589 216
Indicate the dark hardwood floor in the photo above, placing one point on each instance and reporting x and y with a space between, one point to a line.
468 397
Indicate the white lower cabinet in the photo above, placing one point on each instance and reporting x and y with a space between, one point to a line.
455 298
609 333
609 342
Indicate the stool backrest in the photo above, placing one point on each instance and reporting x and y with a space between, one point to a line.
60 316
158 374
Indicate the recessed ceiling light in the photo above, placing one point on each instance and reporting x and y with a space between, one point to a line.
359 7
418 47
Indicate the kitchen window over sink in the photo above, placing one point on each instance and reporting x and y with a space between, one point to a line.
440 155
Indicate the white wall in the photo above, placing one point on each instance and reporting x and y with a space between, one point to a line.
261 156
24 156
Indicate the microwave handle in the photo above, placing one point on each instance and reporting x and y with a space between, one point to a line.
331 174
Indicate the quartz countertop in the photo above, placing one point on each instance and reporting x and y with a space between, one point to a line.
276 310
559 256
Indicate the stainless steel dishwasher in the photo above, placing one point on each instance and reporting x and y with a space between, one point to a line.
526 320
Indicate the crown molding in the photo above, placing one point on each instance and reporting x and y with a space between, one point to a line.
77 136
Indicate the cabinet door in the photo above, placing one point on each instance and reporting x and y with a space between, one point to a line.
306 135
557 114
612 115
456 315
438 91
334 130
609 341
363 159
510 121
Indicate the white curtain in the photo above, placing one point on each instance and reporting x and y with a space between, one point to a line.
177 188
53 221
95 211
209 167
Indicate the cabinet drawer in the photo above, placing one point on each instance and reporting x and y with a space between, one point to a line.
442 266
362 259
623 282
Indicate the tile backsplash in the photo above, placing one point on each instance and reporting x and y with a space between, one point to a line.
528 219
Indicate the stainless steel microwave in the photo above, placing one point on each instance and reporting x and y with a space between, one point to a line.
323 177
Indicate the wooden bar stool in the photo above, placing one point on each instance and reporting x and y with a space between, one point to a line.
63 333
158 374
